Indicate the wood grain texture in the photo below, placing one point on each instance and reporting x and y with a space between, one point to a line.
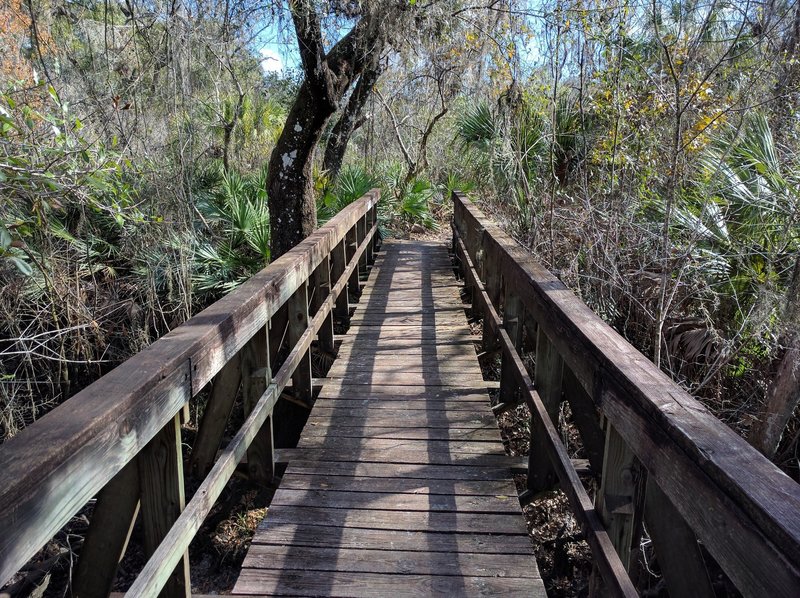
739 504
400 451
91 437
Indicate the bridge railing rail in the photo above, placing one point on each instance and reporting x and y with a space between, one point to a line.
120 438
663 460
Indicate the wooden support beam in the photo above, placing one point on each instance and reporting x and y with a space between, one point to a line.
679 556
163 500
547 379
298 324
322 288
351 243
224 389
586 418
361 234
109 532
512 315
620 499
256 376
491 284
338 260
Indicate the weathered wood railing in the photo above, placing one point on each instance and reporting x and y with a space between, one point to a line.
121 436
662 458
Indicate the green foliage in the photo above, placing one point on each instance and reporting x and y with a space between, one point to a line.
352 183
236 218
52 179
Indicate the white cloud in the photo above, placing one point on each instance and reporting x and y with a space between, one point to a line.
270 61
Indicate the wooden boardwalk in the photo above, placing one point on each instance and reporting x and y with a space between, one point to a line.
400 484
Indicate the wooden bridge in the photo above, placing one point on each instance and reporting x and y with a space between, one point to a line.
400 483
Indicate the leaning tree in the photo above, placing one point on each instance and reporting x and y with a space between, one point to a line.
328 74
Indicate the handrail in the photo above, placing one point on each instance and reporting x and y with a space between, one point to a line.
51 469
665 457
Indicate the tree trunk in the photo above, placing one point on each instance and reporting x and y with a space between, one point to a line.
347 123
783 394
290 181
328 76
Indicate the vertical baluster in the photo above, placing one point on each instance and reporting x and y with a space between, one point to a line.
361 229
163 499
109 532
215 417
256 376
586 418
618 496
679 555
338 265
351 243
322 287
376 237
298 323
491 282
512 322
547 379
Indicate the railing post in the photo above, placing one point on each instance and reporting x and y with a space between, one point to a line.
298 323
256 376
586 418
338 265
620 499
512 322
678 553
322 288
376 237
163 499
215 417
361 230
491 282
547 379
351 243
367 227
109 532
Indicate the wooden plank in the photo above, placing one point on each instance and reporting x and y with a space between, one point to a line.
346 538
618 499
163 499
215 417
322 481
117 415
405 470
398 520
586 418
399 456
110 529
443 446
400 378
384 417
298 324
541 473
486 434
512 322
305 583
338 388
338 264
255 366
694 458
679 556
405 402
449 503
321 284
388 561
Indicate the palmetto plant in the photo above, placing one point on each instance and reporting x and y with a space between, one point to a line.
234 209
352 183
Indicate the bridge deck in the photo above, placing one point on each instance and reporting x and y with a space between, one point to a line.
400 484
